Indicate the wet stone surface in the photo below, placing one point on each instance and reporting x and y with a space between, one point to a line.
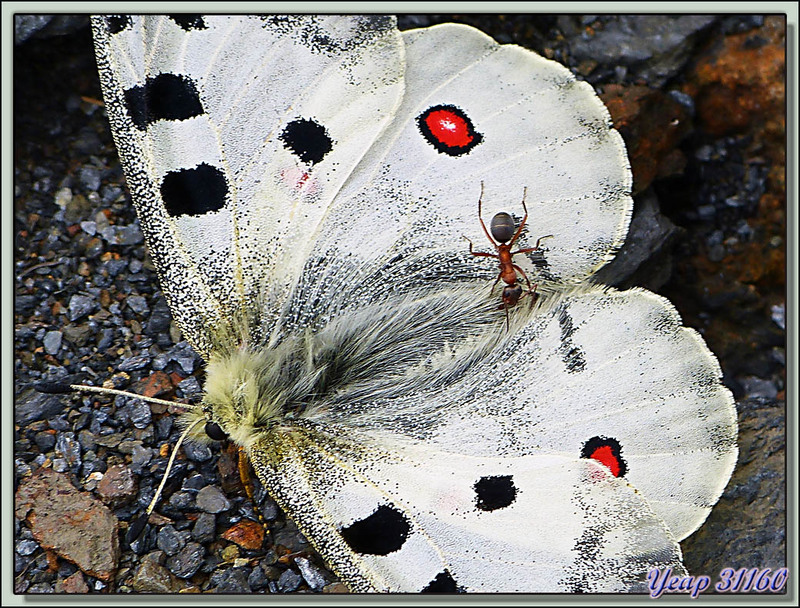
710 236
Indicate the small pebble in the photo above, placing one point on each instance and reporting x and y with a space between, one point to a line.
310 573
779 315
289 581
140 413
205 528
27 547
134 363
80 306
187 561
52 342
170 541
198 452
232 580
211 500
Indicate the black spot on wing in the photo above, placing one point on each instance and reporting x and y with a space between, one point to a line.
443 583
118 23
494 492
572 355
381 533
163 97
194 191
189 22
307 139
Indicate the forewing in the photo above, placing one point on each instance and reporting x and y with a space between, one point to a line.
235 133
401 219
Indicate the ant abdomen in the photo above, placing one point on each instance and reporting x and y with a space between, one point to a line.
502 227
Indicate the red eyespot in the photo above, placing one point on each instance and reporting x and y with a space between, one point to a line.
607 451
606 456
448 129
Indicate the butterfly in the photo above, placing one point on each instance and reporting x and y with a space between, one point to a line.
304 184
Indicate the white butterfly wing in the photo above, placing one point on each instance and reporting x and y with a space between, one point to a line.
606 370
598 427
283 180
511 120
235 132
403 517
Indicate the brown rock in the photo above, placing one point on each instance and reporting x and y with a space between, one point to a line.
155 385
117 487
652 125
248 534
739 84
73 524
75 583
336 587
153 577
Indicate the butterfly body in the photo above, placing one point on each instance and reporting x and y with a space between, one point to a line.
420 441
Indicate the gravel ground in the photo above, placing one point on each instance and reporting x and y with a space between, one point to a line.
708 151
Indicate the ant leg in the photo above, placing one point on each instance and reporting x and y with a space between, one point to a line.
531 249
497 280
524 219
480 217
534 248
531 290
524 276
534 295
480 253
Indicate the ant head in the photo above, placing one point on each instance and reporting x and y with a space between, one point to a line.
503 227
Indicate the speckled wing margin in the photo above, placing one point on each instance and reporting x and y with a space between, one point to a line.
212 117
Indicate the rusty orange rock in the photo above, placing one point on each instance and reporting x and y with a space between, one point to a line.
249 535
72 524
652 125
740 84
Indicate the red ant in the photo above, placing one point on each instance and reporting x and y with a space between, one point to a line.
502 226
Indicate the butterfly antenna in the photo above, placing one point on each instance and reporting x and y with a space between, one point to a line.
137 527
53 388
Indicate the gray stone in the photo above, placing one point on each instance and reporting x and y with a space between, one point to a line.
80 306
205 528
187 561
289 581
312 575
211 500
52 342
